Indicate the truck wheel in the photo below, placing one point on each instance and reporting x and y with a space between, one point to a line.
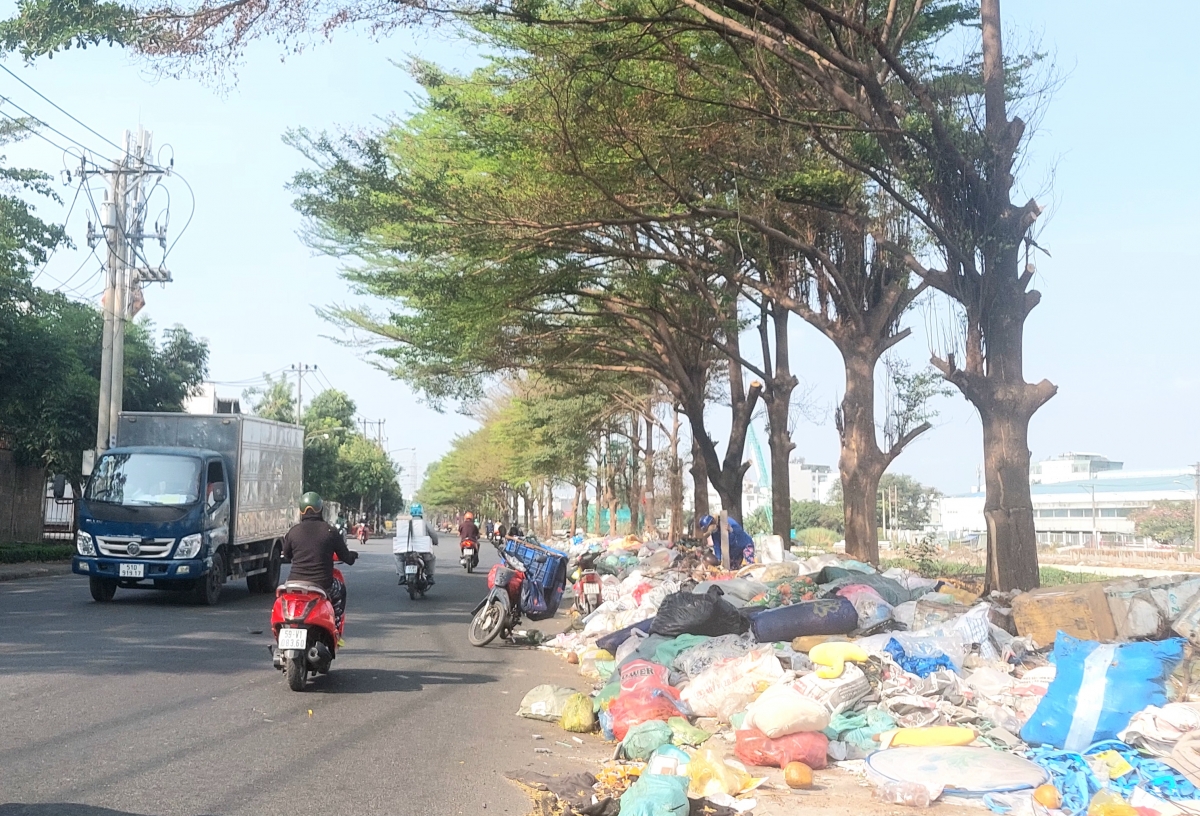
208 588
271 577
102 589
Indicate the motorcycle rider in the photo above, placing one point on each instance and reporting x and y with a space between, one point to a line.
468 529
310 546
415 536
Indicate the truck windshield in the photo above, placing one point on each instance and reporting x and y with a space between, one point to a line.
150 479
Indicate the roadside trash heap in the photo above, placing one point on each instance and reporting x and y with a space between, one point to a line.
1083 699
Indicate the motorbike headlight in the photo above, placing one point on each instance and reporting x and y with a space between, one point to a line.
84 543
189 546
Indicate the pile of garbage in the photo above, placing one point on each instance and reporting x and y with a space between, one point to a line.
1072 700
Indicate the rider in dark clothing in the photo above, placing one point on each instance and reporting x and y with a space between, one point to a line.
468 529
310 546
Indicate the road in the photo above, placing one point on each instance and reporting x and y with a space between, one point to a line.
151 706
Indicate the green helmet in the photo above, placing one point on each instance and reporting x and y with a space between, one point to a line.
311 501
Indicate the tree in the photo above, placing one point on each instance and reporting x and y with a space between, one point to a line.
275 400
908 502
1167 522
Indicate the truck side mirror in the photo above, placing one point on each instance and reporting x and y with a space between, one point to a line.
219 492
59 485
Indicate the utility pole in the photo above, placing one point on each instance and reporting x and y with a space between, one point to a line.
123 220
301 369
1196 513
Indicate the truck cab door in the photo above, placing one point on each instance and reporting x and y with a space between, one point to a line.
216 501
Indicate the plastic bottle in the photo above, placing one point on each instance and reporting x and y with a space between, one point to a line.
909 794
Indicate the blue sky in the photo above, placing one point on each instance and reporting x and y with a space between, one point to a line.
1116 330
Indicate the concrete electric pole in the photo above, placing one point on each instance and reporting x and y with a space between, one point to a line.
123 220
301 369
1196 513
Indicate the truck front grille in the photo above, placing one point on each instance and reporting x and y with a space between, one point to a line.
146 547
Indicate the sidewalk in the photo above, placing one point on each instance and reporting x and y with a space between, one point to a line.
34 569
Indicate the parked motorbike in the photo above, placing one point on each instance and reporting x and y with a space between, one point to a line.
587 587
305 629
415 576
470 554
499 613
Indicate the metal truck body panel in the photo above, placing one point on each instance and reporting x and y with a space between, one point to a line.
264 459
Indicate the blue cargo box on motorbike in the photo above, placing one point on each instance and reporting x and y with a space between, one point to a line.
544 565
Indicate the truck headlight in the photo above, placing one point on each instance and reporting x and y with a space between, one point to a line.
84 543
189 546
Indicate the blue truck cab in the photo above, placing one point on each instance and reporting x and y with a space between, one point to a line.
186 502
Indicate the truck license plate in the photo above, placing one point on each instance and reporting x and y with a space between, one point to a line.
410 569
293 639
132 571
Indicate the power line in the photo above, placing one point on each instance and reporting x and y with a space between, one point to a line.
66 220
61 284
34 132
60 109
53 129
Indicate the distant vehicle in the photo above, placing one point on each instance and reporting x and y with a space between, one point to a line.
187 502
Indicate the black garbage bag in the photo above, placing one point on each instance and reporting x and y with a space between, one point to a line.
686 613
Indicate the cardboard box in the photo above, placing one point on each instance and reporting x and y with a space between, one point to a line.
1080 610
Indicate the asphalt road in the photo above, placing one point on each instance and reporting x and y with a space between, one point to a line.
151 706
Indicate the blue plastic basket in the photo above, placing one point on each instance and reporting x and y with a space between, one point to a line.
545 565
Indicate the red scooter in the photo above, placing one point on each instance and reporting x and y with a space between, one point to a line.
305 629
500 612
470 554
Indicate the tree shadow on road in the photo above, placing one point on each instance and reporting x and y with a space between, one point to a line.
373 681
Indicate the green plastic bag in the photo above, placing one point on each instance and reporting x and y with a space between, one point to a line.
605 669
578 715
656 795
546 702
644 739
684 733
666 653
605 696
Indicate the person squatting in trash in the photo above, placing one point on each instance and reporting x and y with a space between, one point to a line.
414 536
741 545
310 547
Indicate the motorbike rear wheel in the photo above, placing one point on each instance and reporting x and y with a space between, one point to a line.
412 589
297 672
487 624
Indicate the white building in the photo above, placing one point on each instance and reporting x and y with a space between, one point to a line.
207 402
810 482
1092 510
1070 467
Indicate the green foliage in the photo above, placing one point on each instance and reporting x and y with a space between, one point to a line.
45 27
1167 522
924 554
275 400
912 505
757 523
817 538
40 551
808 514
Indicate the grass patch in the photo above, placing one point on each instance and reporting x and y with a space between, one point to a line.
956 569
1058 577
40 551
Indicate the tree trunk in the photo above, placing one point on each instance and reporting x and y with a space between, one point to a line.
700 481
575 506
599 497
861 462
1012 561
676 481
637 494
649 503
778 396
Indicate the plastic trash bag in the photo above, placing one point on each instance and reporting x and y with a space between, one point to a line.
656 795
578 715
831 616
685 613
839 693
644 739
731 683
546 702
632 708
697 659
709 773
756 748
781 710
684 733
1098 689
871 607
642 675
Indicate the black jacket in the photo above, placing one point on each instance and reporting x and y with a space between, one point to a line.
310 546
